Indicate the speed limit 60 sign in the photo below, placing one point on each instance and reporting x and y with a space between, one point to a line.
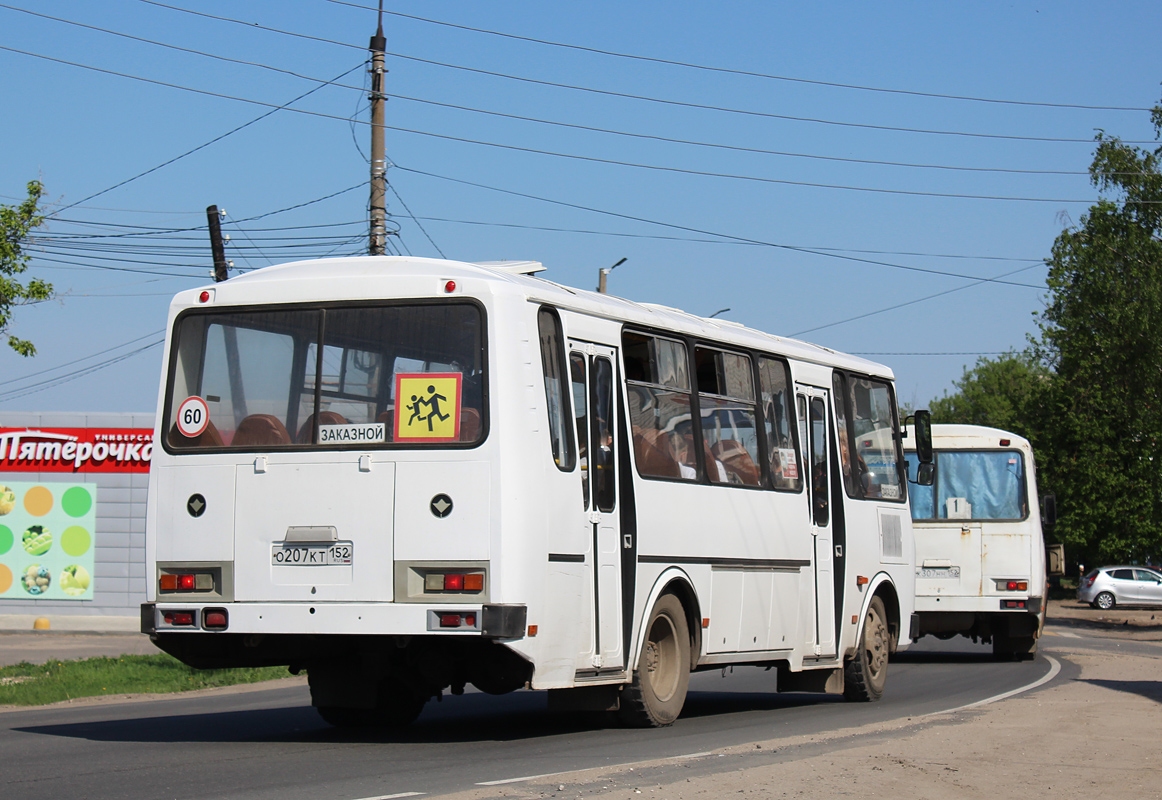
193 417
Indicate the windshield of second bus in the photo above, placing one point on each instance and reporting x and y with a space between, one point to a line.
971 485
402 374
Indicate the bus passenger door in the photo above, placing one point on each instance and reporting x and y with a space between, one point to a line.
814 417
596 432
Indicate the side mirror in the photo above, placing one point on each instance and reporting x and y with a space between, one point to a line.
1049 509
922 422
926 469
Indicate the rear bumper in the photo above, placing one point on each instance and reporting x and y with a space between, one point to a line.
990 604
490 620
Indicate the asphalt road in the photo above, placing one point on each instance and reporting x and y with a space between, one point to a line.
270 743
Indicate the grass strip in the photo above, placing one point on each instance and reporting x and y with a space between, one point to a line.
27 684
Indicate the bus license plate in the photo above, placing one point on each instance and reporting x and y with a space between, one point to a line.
306 554
938 572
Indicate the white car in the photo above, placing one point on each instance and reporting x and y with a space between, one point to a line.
1106 587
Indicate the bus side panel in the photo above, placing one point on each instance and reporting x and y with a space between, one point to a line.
754 606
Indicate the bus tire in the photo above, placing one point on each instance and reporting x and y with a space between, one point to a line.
1019 648
343 717
866 673
399 704
655 697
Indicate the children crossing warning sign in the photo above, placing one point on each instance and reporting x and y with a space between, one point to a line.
427 406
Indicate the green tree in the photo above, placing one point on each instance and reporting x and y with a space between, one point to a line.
1102 335
16 222
1007 393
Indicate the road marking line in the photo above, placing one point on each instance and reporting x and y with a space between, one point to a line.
628 765
394 796
1054 668
525 778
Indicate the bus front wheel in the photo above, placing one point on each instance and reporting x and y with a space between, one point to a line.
866 673
655 697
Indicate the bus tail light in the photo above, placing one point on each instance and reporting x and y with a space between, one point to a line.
455 582
466 621
1014 604
1005 585
178 618
215 619
185 582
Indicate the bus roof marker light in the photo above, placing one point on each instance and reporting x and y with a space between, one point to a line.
450 287
205 296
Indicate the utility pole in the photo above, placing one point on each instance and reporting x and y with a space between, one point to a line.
602 274
378 205
217 248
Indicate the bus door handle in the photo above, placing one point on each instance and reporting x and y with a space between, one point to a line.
627 541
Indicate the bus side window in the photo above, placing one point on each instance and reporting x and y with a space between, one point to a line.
556 391
581 412
778 422
658 385
726 397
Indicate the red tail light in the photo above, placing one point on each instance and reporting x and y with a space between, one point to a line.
449 620
453 583
178 617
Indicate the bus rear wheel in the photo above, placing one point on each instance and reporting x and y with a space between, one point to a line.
397 706
655 697
866 673
1019 648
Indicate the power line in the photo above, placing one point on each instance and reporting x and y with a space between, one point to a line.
747 112
750 178
191 51
725 236
908 303
746 73
254 25
551 153
199 147
72 376
736 148
720 241
79 360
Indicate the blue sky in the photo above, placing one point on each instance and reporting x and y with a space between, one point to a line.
884 179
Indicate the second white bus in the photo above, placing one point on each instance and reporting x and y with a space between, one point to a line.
980 553
407 475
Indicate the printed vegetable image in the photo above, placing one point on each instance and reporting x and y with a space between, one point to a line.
36 579
7 500
74 580
37 540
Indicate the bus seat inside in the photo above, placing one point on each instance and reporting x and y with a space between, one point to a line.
325 418
261 429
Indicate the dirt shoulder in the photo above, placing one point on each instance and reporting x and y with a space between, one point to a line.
1143 624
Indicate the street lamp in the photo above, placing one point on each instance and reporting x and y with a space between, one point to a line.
601 273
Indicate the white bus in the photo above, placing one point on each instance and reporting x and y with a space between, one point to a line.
980 555
406 475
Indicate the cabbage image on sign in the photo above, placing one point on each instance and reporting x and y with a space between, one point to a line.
427 406
47 541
